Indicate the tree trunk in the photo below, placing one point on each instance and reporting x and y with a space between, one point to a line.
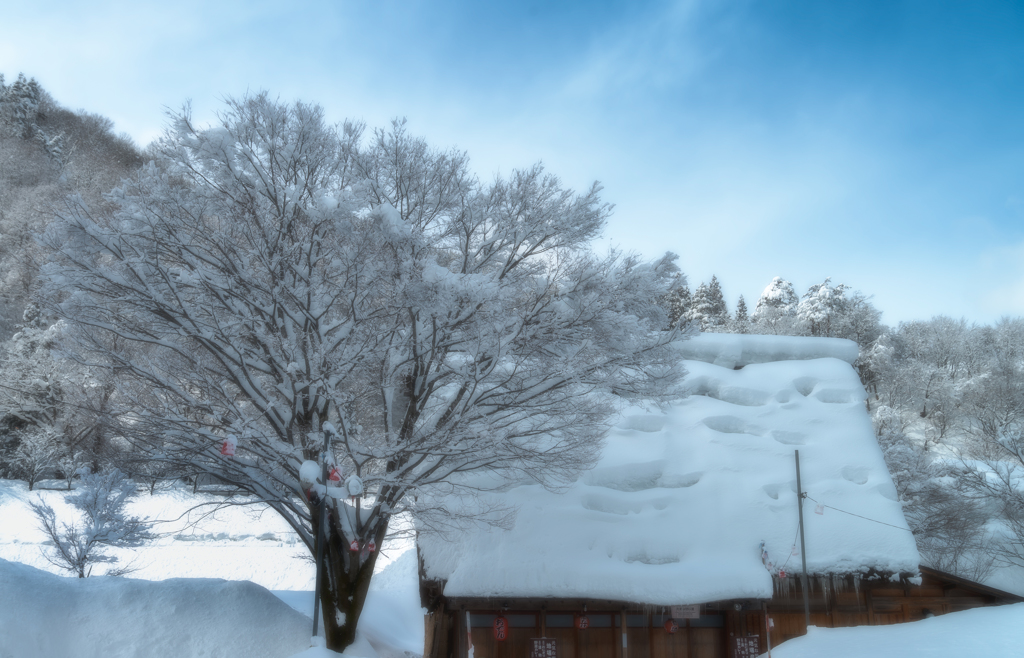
344 583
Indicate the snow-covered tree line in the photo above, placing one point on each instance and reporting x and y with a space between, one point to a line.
824 310
948 401
46 153
272 278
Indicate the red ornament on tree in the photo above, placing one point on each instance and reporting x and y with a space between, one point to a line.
371 546
354 545
228 447
500 628
671 626
335 475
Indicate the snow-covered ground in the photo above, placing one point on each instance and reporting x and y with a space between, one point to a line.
989 632
201 605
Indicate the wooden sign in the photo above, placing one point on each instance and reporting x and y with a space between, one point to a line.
543 647
748 647
500 628
686 611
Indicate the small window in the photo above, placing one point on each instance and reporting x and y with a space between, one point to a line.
559 621
707 621
478 620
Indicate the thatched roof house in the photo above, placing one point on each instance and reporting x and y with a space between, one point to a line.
691 515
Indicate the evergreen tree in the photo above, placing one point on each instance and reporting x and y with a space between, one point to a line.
19 106
741 321
699 313
678 301
718 316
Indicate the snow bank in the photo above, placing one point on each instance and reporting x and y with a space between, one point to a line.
732 350
991 632
680 501
245 542
46 615
391 625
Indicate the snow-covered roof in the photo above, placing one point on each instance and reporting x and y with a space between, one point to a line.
680 501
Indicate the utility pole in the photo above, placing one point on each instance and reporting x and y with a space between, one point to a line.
803 551
321 533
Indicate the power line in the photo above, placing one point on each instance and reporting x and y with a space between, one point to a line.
859 516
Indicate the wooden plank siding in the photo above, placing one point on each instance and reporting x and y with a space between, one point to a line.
834 603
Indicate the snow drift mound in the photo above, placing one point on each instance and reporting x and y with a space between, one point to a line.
46 615
738 350
991 632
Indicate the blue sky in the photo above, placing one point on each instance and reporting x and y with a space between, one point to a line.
879 143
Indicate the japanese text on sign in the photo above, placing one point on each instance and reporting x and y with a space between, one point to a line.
748 647
686 611
542 647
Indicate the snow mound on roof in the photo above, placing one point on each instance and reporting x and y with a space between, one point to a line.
677 507
738 350
46 615
991 632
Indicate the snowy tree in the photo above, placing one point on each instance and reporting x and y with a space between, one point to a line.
30 401
861 322
741 320
718 312
821 308
19 106
678 301
949 528
45 400
271 275
775 312
707 309
699 312
77 546
37 454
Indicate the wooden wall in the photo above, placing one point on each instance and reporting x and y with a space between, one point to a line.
842 602
645 634
833 602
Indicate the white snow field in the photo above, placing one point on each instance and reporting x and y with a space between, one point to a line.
677 508
189 596
236 543
984 632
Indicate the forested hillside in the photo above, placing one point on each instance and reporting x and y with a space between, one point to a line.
947 396
46 153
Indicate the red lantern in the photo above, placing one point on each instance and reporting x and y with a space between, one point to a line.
671 626
500 628
228 447
335 475
372 546
582 622
782 574
354 545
